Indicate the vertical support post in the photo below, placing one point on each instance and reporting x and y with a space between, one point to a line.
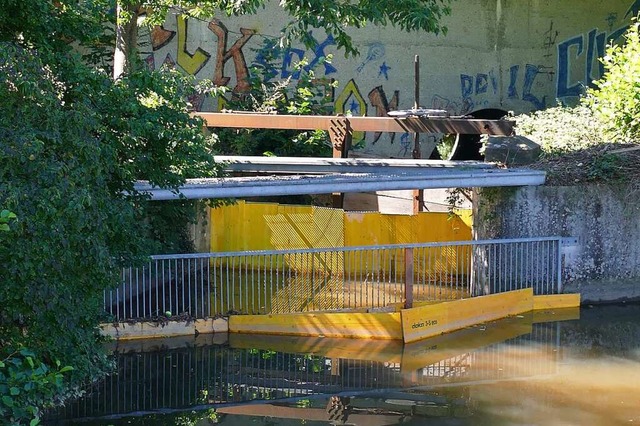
340 134
559 266
418 194
408 278
416 104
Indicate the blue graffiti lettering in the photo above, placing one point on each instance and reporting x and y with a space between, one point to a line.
264 58
512 91
633 9
405 144
319 54
595 47
482 83
466 85
531 71
494 82
563 88
288 59
596 42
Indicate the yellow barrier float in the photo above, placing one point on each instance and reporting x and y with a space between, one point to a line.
425 320
408 325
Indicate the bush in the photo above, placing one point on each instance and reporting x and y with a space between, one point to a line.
561 130
27 386
616 99
72 144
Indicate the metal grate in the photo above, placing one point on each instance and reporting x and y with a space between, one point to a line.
330 279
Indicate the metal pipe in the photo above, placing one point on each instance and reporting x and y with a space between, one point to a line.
314 165
296 185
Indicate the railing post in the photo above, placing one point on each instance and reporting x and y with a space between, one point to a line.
408 278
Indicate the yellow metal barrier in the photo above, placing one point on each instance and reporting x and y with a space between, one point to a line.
268 226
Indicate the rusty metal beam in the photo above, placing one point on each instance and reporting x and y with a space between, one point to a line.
364 124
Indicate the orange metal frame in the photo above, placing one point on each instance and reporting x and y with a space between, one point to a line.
341 128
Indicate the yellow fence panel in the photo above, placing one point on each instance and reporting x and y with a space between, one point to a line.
269 226
317 282
373 228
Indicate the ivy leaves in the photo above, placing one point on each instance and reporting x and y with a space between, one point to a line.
27 385
5 217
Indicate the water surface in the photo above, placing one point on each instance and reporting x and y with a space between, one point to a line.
551 369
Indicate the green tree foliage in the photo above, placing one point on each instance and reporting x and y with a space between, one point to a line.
5 218
27 386
53 23
66 248
333 16
72 144
616 98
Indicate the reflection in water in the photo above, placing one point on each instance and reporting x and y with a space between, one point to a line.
516 371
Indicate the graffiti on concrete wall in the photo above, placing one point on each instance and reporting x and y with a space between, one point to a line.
480 90
293 55
578 63
376 51
380 80
531 72
378 99
230 66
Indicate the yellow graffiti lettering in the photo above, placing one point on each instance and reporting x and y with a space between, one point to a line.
191 63
356 105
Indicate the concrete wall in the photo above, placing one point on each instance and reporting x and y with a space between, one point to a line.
605 264
512 55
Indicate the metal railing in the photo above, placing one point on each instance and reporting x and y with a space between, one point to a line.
345 278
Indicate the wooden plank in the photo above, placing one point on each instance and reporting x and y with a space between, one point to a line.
432 320
556 301
383 325
363 124
330 347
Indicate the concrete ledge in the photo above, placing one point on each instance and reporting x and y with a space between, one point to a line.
149 330
606 290
166 343
556 301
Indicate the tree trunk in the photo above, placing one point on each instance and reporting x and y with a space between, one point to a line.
126 39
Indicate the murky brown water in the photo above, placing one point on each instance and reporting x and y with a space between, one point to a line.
530 370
